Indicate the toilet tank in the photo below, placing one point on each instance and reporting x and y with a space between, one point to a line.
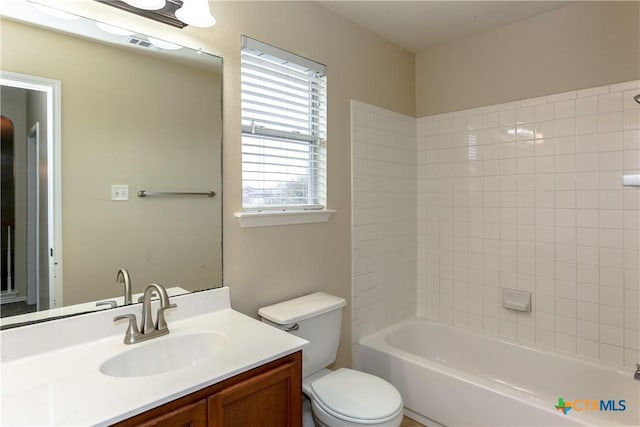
316 318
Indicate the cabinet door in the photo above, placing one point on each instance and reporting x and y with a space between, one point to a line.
192 415
270 399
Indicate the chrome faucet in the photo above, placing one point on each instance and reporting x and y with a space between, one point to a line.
123 277
148 329
147 325
636 376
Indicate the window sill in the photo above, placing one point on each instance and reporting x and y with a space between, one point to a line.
269 218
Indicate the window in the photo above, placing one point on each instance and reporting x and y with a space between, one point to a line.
284 120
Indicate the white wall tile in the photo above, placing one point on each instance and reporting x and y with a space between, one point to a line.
631 119
587 143
611 316
610 160
610 122
525 114
588 330
525 195
587 180
384 238
567 126
609 103
611 141
566 344
611 335
565 109
559 223
631 161
586 125
543 112
587 311
587 349
586 106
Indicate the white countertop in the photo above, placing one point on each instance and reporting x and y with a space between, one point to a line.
62 385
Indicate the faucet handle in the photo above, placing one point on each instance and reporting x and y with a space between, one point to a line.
110 303
161 323
132 332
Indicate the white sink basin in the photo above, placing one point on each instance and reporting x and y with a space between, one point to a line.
164 354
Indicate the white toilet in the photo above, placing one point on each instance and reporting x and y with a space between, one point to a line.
344 398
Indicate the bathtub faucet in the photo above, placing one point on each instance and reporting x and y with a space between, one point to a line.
636 376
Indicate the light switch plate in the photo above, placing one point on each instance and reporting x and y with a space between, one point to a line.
119 192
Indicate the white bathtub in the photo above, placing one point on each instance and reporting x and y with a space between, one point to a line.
460 378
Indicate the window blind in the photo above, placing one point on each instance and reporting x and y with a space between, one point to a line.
284 122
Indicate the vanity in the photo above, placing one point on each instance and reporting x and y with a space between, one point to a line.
269 395
216 367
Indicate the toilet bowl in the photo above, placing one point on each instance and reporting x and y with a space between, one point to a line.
340 398
349 398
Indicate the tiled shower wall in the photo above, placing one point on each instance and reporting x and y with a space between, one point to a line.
528 195
384 236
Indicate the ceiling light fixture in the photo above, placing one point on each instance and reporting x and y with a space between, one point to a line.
177 13
196 13
146 4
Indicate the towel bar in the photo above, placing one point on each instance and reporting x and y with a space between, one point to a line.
145 193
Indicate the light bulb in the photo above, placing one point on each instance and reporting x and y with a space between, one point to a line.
196 13
146 4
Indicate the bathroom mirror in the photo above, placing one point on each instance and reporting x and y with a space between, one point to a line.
134 114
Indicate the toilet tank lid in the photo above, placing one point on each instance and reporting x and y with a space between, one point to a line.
298 309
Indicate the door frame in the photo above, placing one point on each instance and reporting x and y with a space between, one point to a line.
53 90
33 216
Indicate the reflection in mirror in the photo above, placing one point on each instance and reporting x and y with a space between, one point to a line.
131 117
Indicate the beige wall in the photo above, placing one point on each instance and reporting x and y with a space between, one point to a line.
579 46
122 124
266 265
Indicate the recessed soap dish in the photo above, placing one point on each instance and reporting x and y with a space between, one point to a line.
631 180
513 299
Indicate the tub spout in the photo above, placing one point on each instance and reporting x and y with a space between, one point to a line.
636 376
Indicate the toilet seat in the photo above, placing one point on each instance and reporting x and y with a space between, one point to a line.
356 397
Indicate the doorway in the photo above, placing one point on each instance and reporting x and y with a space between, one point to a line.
31 220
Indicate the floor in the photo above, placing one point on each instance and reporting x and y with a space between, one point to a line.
13 308
408 422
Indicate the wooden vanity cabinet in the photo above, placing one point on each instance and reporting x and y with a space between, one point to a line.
267 396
